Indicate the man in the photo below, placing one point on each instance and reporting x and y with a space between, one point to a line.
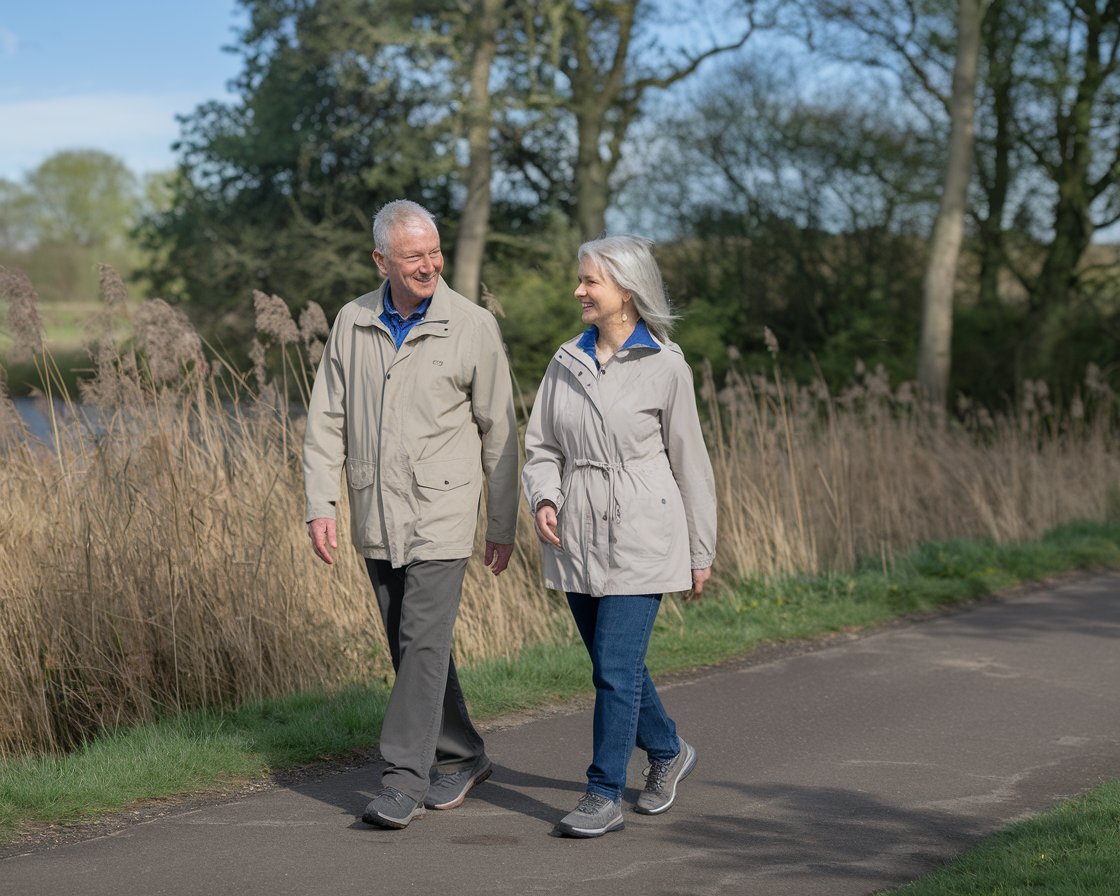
413 396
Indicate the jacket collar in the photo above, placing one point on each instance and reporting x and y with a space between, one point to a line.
441 310
641 342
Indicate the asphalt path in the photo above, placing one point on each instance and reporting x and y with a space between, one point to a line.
837 768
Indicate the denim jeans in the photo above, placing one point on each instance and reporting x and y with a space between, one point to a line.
616 629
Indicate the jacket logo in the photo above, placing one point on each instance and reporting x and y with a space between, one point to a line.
438 363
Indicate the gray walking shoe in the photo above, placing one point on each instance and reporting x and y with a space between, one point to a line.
392 809
594 816
448 790
662 779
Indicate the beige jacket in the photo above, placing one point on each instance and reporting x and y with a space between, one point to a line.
621 455
417 430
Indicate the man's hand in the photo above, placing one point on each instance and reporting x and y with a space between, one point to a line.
497 556
699 577
323 532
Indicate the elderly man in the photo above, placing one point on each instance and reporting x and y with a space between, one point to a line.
413 396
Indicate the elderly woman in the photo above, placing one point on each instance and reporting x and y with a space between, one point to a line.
620 486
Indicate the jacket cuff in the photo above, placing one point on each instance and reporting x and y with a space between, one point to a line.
318 511
556 497
702 561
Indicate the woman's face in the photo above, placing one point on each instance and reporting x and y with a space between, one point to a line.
601 301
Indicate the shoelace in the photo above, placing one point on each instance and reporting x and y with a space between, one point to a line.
657 773
590 803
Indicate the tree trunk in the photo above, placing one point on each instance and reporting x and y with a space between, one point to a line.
948 231
474 224
592 180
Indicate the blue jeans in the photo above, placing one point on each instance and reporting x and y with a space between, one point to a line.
616 629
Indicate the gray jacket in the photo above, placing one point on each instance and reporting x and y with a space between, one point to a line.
418 429
621 455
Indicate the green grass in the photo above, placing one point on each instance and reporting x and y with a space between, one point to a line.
208 751
1073 850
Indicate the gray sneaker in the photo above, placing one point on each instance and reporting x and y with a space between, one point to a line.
448 790
662 779
392 809
594 816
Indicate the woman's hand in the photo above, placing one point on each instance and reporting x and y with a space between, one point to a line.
699 577
545 523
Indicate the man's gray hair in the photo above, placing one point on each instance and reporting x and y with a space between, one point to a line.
395 214
629 262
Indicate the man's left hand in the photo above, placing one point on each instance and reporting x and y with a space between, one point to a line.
497 556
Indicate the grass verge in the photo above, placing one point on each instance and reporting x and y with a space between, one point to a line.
208 751
1068 851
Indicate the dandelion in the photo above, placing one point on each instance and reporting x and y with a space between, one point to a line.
167 339
23 312
274 319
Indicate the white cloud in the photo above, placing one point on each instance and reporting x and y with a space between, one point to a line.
138 128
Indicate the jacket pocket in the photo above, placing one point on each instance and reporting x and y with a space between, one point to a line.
444 475
648 529
360 473
447 502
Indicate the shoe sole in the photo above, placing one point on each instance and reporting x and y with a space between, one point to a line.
396 824
689 765
587 833
458 801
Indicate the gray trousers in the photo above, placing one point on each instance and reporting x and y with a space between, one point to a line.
426 726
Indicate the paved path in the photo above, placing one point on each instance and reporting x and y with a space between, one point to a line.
840 770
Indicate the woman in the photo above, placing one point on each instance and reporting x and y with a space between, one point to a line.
620 485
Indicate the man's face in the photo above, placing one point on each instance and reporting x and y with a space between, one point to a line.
412 263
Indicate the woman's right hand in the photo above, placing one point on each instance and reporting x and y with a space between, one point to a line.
546 524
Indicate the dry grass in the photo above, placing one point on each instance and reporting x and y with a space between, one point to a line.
153 558
811 482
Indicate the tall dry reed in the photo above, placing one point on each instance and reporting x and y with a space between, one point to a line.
153 556
809 482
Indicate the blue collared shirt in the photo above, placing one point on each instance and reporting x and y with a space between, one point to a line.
640 337
400 326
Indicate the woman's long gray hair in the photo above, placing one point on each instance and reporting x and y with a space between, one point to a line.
629 262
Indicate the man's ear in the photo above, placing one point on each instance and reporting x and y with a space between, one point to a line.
379 260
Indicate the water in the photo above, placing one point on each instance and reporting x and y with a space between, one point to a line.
35 414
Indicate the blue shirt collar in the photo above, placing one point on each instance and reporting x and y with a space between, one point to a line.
392 311
640 338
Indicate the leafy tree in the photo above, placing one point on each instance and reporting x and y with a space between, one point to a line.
337 114
85 197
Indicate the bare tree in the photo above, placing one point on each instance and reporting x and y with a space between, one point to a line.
934 349
607 84
474 224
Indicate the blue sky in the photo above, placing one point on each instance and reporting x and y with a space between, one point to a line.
109 75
